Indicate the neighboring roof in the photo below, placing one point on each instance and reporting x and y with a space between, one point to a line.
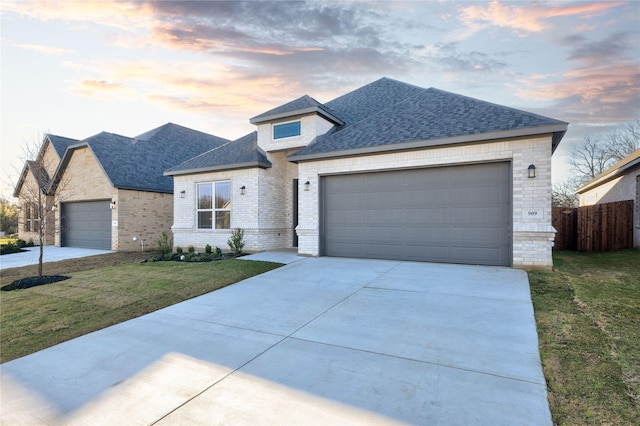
388 115
60 143
303 105
241 153
39 173
138 163
619 169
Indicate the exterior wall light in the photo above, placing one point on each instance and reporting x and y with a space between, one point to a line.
54 207
182 193
532 171
242 189
112 205
307 184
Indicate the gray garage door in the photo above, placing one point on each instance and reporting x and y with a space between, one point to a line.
87 224
457 214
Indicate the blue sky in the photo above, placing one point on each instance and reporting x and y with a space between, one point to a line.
76 68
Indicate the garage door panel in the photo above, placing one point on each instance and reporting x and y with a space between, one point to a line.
87 225
459 214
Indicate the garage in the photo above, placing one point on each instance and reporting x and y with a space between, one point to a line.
87 224
453 214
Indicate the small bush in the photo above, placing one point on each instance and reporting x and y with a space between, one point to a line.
218 251
207 249
165 245
30 242
191 250
20 243
236 242
179 250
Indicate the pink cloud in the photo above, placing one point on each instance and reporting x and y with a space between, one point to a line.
531 19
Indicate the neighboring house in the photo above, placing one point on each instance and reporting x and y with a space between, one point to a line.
618 183
32 188
388 171
110 191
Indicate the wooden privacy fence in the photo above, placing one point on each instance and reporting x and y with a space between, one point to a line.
600 227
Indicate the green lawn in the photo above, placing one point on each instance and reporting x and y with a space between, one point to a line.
43 316
588 318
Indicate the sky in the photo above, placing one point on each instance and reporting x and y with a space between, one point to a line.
76 68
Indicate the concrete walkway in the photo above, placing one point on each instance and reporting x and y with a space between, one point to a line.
318 341
50 254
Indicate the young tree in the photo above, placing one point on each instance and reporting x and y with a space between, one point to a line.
38 200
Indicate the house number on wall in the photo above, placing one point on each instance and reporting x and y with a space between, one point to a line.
533 214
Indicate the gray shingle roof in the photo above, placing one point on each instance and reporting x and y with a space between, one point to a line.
139 163
390 115
303 105
60 143
241 153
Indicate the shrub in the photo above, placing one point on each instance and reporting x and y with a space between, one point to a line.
218 251
165 245
20 243
30 243
191 250
207 249
179 250
236 242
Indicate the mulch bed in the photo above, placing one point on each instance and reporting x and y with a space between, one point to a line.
29 282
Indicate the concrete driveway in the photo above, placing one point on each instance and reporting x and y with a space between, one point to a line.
319 341
50 254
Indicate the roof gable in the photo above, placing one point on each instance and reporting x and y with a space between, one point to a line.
303 105
60 143
241 153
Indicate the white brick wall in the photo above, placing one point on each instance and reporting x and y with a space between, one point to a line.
264 212
532 233
310 126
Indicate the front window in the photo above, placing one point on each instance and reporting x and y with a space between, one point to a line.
32 217
286 130
214 205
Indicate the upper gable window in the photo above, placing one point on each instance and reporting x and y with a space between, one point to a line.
286 130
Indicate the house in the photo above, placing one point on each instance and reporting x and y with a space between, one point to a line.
387 171
109 192
32 188
618 183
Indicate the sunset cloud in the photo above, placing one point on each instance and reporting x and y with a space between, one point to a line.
527 18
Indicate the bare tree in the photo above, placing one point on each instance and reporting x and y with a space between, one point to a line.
564 193
38 200
593 156
624 142
590 158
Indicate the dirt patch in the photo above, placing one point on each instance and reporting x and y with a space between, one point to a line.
74 265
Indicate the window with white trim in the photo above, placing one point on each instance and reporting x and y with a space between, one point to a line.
286 130
214 205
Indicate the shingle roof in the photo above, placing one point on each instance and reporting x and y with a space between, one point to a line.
138 163
241 153
60 143
303 105
390 115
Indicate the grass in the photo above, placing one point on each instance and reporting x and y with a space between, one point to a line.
39 317
588 318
